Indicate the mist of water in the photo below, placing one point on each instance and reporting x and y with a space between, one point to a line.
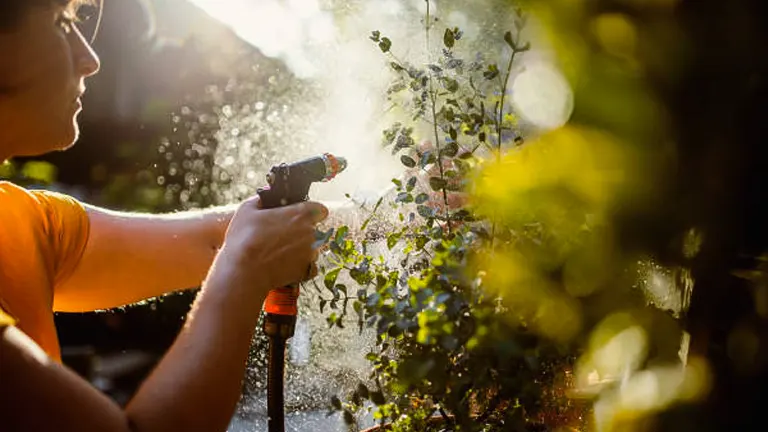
335 100
331 98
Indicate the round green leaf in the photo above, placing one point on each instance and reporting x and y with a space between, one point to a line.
407 161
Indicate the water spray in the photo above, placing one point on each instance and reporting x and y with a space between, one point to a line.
288 184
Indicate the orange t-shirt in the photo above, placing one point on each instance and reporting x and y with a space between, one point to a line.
5 319
42 238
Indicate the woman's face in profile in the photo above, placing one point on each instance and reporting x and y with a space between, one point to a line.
45 61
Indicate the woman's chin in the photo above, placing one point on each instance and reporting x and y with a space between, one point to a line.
71 135
62 141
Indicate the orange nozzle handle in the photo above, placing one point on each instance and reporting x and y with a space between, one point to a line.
282 301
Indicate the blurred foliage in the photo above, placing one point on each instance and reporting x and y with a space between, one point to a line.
566 243
30 173
675 87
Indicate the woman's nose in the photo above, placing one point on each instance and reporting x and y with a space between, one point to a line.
86 61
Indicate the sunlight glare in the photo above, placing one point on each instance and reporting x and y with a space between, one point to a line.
279 29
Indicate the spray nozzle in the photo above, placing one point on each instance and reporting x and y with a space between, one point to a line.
289 183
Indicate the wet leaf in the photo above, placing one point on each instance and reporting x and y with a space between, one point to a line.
330 278
421 241
436 183
362 390
411 184
341 234
492 72
461 215
448 38
373 212
360 274
427 158
373 299
336 402
451 148
450 84
404 197
392 239
425 211
385 44
508 39
454 64
407 161
349 419
377 397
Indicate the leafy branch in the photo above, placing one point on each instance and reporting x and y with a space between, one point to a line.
438 333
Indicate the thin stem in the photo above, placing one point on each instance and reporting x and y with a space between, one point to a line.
437 145
345 299
433 103
503 95
500 120
426 26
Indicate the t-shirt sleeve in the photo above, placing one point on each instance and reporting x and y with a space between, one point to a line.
5 319
67 226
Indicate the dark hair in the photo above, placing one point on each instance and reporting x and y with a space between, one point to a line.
12 11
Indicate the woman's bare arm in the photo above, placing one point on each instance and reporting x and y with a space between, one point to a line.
196 385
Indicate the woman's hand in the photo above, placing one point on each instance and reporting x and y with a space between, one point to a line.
272 247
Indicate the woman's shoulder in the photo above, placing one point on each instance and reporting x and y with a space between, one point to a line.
15 199
11 191
10 188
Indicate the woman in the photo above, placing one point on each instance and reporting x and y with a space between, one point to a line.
57 254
